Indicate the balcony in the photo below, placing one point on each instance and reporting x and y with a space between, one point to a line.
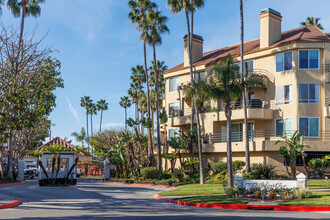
256 109
264 140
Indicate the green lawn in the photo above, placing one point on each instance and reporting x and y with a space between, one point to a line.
319 198
318 184
195 189
213 199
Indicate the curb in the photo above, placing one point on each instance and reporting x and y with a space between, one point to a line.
4 184
141 184
11 204
244 206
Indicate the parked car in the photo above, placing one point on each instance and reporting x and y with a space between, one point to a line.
32 167
28 173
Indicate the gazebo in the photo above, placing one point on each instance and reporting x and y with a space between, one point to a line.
67 159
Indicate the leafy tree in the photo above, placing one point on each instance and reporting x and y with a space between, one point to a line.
138 15
125 103
319 165
199 93
227 85
157 26
85 102
293 148
102 105
311 21
80 137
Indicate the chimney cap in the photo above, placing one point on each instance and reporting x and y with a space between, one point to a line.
195 36
269 10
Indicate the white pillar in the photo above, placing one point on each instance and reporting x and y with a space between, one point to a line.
301 181
238 182
106 169
20 170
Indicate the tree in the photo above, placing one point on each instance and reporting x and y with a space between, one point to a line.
227 85
199 93
85 103
80 137
243 73
188 6
311 21
102 105
92 109
138 15
125 103
157 26
38 154
27 85
28 7
293 148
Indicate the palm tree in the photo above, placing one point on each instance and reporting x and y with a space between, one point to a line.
133 92
161 67
188 6
199 93
125 103
311 21
29 8
85 103
246 123
92 111
227 85
102 105
140 9
157 26
38 154
80 137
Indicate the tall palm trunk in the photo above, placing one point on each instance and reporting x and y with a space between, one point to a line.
200 150
150 155
58 164
189 40
20 43
92 131
229 149
125 119
246 123
10 156
157 114
87 129
101 120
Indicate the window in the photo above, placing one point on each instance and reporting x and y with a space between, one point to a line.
284 61
248 66
199 76
283 125
308 93
174 83
173 133
309 127
308 59
64 164
237 132
173 108
283 94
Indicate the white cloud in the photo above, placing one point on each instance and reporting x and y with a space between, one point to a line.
116 125
73 110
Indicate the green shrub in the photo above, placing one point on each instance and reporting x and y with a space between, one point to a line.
218 167
217 179
231 192
262 171
248 176
149 172
302 193
166 176
319 166
177 174
238 165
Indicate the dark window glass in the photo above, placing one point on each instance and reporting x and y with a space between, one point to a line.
303 59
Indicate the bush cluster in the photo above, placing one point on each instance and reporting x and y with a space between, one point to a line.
149 172
262 171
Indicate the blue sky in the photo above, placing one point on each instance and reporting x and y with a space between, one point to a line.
98 45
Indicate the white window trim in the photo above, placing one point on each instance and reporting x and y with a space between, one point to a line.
169 84
308 93
283 62
291 98
168 132
308 68
308 127
276 119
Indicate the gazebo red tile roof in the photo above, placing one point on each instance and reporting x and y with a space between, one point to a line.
59 141
301 34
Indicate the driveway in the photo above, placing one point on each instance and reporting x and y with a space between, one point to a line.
96 200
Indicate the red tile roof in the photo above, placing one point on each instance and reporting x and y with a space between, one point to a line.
302 34
83 153
59 141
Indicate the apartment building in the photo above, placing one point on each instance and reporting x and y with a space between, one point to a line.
296 66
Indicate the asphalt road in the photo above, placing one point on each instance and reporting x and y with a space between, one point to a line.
97 200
